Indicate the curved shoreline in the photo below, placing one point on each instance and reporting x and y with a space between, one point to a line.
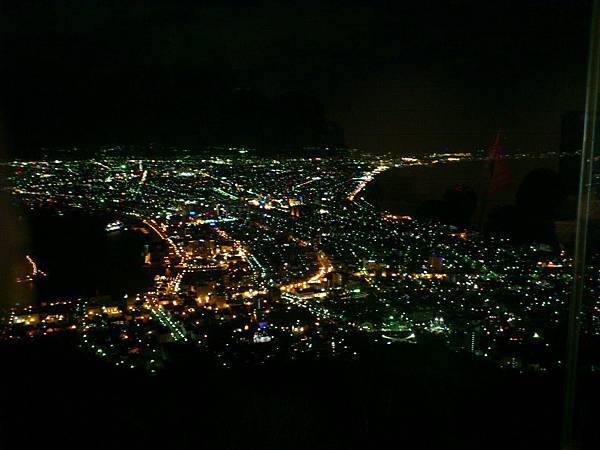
402 188
81 260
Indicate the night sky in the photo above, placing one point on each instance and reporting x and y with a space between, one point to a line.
381 76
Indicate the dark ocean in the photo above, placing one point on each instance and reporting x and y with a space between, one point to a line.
403 190
80 258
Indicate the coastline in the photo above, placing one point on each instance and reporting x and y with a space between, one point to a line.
400 190
81 259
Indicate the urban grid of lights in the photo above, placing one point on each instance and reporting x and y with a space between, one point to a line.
267 256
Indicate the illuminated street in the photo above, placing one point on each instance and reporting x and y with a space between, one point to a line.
288 253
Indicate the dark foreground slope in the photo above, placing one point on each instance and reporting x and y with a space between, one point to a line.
56 396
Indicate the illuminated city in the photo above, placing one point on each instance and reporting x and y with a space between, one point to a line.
268 258
313 225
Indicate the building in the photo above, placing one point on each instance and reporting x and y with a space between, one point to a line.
436 263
